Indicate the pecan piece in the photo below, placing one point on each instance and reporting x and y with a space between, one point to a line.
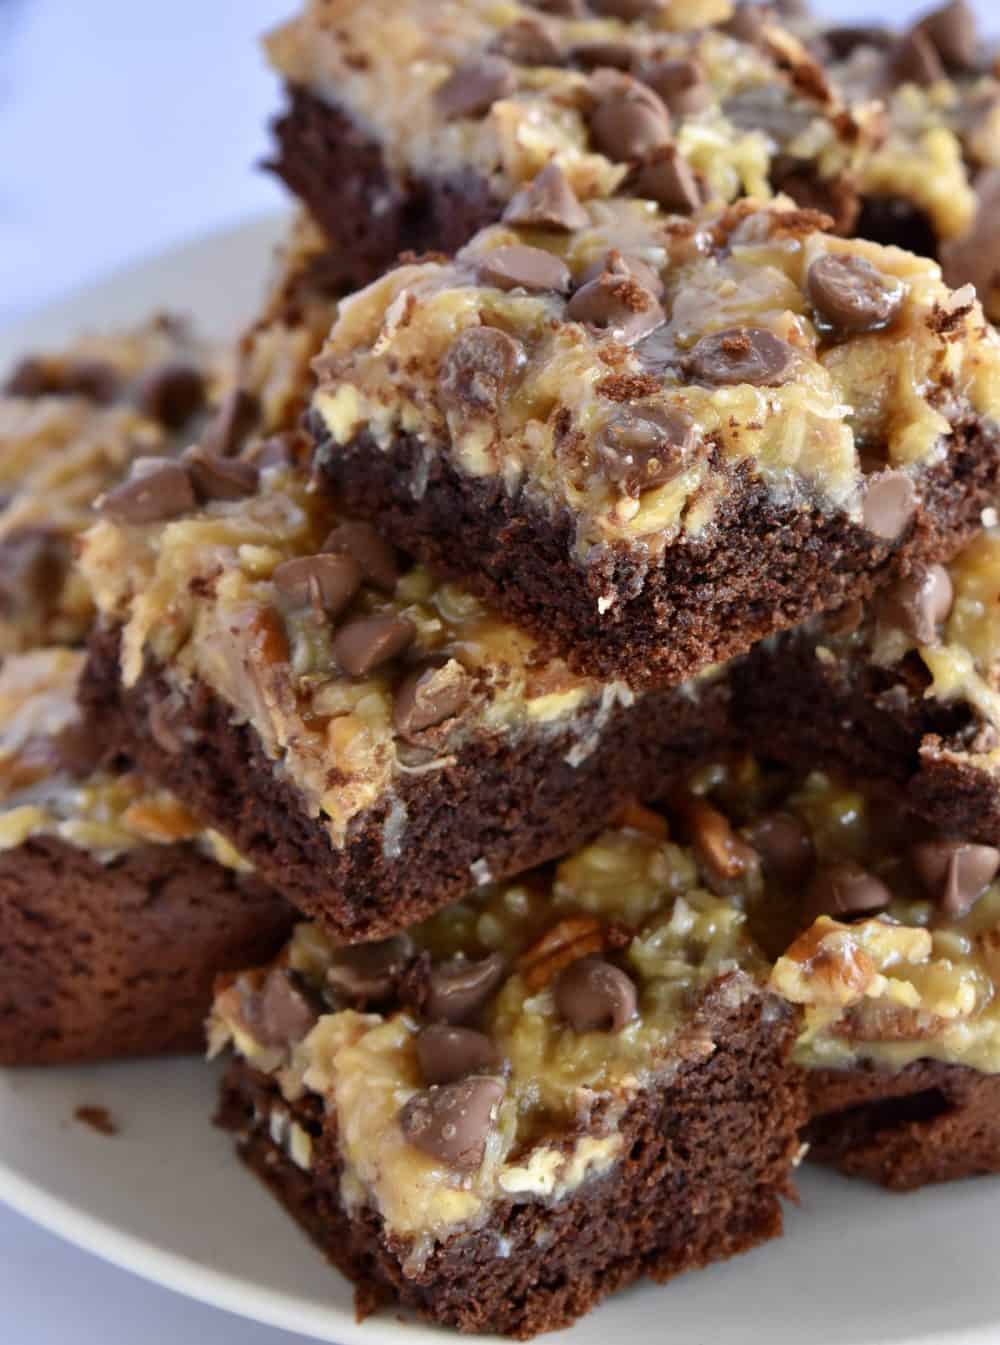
573 937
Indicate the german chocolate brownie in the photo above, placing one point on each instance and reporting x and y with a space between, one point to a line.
373 741
653 441
677 103
117 909
902 691
547 1092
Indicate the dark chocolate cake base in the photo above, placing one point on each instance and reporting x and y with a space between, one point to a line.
106 960
503 805
708 1158
765 567
929 1122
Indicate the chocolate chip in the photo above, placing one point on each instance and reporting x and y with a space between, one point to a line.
78 749
845 888
643 448
914 60
429 695
667 178
172 394
368 973
364 645
368 547
618 305
231 424
452 1122
628 9
628 119
479 369
96 380
529 41
742 355
844 39
889 504
281 450
952 31
680 83
548 202
604 55
595 996
851 295
324 582
566 9
472 89
624 264
919 603
974 258
30 378
955 873
517 266
216 478
458 989
157 489
33 566
784 845
747 23
447 1054
279 1013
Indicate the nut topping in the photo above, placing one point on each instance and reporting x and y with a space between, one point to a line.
575 936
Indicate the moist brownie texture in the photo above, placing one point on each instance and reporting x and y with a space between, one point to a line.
374 742
548 1091
902 690
652 441
71 423
117 909
677 103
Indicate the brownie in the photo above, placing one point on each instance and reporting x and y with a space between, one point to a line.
372 741
676 107
545 1093
652 442
117 909
901 691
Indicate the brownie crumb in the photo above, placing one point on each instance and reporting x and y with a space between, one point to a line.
98 1118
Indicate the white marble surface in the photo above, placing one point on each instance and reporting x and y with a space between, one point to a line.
126 126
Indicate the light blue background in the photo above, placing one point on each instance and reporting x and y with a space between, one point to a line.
126 126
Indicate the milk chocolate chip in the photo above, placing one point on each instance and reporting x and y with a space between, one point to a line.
617 263
914 60
617 304
447 1054
452 1122
325 582
480 367
529 41
369 972
157 489
216 478
548 202
680 83
33 566
741 355
851 295
458 989
955 873
628 119
747 23
845 888
784 845
667 178
369 549
919 603
279 1013
429 695
628 9
607 55
96 380
364 645
233 421
515 266
889 504
472 89
595 996
642 449
952 31
172 394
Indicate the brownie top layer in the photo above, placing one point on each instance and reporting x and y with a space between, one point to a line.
602 90
53 782
71 422
632 367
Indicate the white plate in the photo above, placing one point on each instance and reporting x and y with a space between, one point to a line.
165 1197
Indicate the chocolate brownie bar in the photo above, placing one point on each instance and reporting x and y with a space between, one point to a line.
902 690
653 441
117 909
676 103
548 1091
71 423
371 740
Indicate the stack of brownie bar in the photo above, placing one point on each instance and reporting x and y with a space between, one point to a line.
545 674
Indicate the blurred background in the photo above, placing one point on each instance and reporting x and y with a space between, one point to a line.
126 126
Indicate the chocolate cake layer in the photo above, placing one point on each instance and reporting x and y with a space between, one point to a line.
106 960
928 1122
708 1157
496 807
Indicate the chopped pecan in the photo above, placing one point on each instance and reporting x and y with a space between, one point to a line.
160 820
573 937
635 817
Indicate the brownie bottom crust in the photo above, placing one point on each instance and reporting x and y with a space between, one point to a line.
929 1122
502 805
707 1160
107 960
765 568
